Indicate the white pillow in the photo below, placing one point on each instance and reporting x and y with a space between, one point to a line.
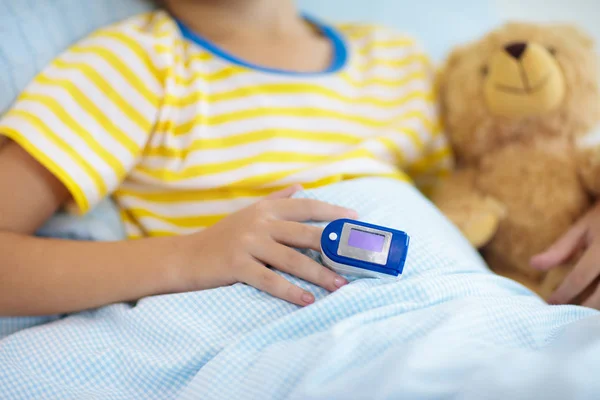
33 33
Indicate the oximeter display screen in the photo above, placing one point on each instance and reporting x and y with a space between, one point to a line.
366 240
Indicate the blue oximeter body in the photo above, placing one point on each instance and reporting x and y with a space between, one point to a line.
361 249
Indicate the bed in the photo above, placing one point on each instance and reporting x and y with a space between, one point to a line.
447 328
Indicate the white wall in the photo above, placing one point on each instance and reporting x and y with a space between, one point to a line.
441 24
585 13
438 24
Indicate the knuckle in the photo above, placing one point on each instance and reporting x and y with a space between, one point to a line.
325 277
311 234
307 230
262 205
312 206
262 224
247 240
314 233
268 281
236 259
264 209
293 260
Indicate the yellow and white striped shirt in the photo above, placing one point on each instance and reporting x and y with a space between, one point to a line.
181 133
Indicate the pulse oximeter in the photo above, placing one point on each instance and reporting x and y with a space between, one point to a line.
365 250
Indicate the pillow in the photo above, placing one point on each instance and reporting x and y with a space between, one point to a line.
101 224
33 32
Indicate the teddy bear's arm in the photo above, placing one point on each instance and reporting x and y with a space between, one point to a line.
475 214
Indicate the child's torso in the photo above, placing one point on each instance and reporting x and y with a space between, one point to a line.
227 133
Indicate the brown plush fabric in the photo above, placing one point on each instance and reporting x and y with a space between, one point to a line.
514 124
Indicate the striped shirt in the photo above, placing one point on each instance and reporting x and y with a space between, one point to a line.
180 133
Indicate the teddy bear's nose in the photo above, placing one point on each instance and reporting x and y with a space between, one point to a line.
516 49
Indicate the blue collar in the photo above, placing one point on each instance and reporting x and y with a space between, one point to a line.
340 54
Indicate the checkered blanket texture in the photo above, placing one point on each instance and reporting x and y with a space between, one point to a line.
447 328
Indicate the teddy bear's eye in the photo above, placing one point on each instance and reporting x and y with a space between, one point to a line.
552 50
484 70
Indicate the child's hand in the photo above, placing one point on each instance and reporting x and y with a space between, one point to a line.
584 234
237 248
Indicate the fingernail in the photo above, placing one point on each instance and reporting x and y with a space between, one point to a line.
307 298
339 282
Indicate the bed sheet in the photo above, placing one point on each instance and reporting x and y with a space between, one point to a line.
447 328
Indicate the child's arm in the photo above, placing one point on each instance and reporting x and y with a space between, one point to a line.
50 276
41 276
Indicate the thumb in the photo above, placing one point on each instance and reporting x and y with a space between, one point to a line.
285 193
562 249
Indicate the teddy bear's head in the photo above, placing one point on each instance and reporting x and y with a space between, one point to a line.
521 79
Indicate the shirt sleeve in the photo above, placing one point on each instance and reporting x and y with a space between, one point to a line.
431 158
87 116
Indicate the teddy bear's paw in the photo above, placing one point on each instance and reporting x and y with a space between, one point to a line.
480 227
495 207
481 223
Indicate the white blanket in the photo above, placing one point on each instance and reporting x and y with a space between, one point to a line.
448 328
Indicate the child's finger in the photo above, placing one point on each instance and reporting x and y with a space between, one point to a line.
584 273
562 249
293 262
296 234
301 210
594 300
262 278
285 193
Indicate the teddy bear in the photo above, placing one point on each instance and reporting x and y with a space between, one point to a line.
520 107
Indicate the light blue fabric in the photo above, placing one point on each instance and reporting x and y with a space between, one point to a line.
103 223
448 328
34 32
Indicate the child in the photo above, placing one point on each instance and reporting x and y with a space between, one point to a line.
201 122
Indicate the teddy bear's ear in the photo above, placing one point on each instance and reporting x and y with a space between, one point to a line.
454 57
451 60
577 33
